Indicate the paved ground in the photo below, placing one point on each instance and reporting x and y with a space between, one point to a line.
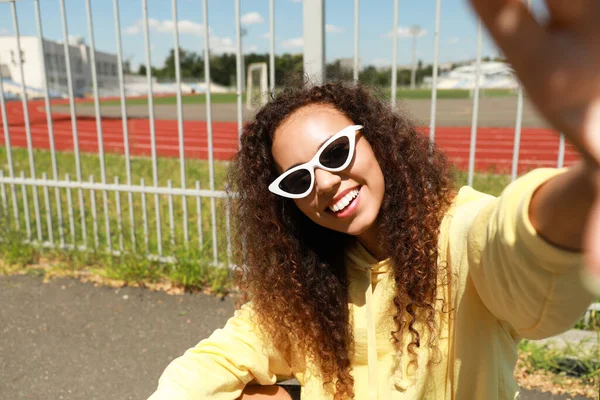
71 340
493 112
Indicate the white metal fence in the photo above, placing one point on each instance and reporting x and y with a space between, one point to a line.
77 225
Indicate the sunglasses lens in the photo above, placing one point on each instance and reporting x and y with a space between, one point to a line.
336 154
297 182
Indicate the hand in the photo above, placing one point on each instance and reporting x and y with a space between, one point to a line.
558 64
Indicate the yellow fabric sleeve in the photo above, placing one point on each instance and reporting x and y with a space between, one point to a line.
521 278
219 367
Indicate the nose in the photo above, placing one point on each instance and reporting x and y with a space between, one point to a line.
326 181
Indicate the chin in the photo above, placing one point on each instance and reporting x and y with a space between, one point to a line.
360 226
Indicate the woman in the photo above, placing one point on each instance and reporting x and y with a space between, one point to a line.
366 275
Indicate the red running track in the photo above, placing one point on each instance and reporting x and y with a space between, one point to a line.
539 147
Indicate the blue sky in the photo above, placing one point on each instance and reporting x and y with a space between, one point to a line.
457 37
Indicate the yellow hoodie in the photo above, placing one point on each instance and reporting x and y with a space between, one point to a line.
507 283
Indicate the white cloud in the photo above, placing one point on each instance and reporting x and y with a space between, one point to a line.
132 30
293 43
333 29
454 40
4 31
252 18
296 1
222 45
218 44
405 32
186 27
266 35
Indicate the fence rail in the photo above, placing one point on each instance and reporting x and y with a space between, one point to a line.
72 219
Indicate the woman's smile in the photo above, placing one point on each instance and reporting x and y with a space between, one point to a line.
345 204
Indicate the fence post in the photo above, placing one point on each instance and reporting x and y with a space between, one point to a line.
314 40
355 67
394 55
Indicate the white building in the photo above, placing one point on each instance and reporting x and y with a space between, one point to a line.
53 53
494 75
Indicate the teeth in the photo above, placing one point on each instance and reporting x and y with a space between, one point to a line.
344 201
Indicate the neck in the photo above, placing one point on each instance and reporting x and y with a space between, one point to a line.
371 241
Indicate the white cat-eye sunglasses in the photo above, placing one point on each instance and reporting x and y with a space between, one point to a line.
334 155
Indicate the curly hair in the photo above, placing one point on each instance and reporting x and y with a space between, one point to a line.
297 282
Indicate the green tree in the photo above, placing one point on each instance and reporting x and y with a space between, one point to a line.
423 72
335 72
222 68
376 77
288 67
191 65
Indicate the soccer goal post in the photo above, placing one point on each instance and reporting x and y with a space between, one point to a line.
262 84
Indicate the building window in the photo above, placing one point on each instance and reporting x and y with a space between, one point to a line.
114 70
49 61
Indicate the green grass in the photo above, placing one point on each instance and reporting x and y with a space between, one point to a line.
192 260
216 98
229 98
593 323
415 94
573 360
484 182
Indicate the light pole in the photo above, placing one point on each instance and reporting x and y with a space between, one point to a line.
243 32
415 31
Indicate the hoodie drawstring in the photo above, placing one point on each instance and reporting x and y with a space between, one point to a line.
371 333
372 343
400 382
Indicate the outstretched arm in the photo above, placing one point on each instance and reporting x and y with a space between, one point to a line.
557 64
